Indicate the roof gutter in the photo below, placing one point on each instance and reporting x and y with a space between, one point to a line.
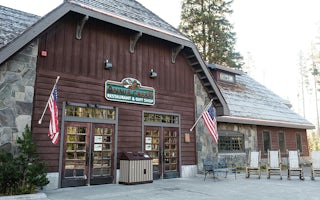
264 122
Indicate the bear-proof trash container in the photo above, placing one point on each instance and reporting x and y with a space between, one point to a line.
135 168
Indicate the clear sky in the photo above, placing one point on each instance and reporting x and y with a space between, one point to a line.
272 31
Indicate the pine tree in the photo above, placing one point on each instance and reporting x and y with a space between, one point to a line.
24 173
315 72
33 170
205 23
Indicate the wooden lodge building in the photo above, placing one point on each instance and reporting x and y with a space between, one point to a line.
129 82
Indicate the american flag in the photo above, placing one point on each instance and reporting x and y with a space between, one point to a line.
210 122
54 126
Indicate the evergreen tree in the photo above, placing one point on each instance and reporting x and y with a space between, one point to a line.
33 170
24 173
313 77
205 23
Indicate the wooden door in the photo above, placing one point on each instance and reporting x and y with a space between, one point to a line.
170 152
162 145
101 169
76 155
88 154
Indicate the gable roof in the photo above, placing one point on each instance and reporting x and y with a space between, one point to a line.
128 14
250 102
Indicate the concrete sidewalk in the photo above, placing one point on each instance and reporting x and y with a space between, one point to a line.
196 188
191 188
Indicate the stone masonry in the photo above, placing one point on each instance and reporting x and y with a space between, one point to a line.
206 147
17 79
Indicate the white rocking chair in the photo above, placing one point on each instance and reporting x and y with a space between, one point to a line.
254 163
274 163
294 166
315 164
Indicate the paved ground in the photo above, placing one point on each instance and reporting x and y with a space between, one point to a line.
194 189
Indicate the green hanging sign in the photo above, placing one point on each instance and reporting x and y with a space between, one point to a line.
129 90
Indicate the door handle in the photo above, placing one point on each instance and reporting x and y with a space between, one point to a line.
91 164
161 154
87 159
91 159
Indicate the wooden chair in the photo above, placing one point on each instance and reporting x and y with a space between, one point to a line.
254 163
315 164
274 163
294 166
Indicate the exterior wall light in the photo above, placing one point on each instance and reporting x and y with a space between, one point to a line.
107 64
153 74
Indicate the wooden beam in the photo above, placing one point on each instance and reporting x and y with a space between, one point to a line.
80 26
175 51
133 41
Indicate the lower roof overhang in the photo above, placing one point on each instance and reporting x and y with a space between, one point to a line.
264 122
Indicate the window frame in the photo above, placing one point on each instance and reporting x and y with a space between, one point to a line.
299 142
264 149
227 77
282 150
231 134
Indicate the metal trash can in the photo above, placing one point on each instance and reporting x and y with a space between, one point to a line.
135 168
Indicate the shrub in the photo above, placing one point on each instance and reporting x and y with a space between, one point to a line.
9 175
24 173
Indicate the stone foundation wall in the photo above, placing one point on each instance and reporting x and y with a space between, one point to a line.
250 142
17 78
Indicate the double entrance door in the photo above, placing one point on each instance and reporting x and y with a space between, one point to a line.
162 145
88 154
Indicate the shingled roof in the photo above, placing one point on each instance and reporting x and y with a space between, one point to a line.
132 10
250 102
128 14
13 23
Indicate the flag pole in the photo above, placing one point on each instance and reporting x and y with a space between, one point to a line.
206 108
40 120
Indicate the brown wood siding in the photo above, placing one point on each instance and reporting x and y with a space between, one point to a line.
290 138
80 63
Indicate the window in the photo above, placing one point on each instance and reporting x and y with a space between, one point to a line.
227 77
282 142
99 113
231 142
161 118
266 141
299 142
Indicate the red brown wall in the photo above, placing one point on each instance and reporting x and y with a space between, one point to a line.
80 65
290 138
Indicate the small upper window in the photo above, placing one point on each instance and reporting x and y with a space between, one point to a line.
227 77
100 113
